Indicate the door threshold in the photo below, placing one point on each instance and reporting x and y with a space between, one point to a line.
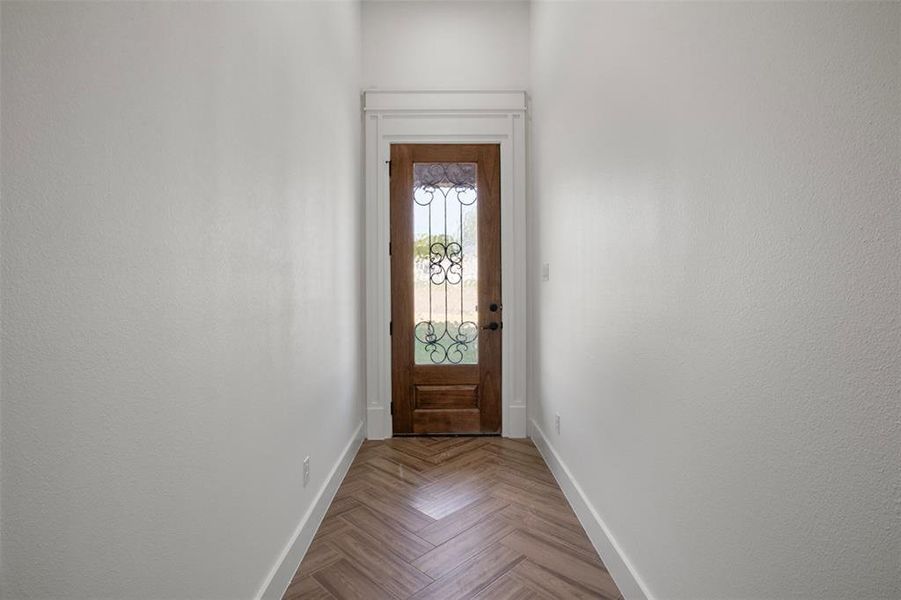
477 434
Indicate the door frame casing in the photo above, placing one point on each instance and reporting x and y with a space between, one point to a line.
445 117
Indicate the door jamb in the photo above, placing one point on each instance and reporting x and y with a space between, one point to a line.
442 117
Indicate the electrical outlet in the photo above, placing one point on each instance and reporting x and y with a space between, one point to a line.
557 423
306 471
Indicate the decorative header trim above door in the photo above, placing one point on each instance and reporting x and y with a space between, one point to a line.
389 100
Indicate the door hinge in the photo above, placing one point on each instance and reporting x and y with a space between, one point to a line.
389 248
389 167
390 327
392 408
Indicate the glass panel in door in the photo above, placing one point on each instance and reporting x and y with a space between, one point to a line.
445 263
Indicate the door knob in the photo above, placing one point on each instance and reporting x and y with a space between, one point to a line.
493 326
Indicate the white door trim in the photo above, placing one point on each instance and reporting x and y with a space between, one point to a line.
445 117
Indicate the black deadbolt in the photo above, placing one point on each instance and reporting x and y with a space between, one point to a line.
493 308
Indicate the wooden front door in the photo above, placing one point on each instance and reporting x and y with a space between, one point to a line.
445 288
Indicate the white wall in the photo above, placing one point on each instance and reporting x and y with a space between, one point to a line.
445 44
717 193
181 307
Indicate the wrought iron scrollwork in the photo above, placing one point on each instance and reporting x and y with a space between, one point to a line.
446 263
452 343
445 342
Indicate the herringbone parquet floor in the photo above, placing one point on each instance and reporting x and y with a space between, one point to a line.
450 518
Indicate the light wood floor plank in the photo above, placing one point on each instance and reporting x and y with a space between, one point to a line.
550 584
345 582
577 541
331 525
307 588
403 543
406 460
341 505
394 506
318 556
392 574
508 587
444 529
400 471
473 576
562 562
446 557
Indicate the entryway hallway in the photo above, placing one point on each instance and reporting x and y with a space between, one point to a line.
246 248
450 518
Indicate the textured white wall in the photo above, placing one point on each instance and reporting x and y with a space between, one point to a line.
445 44
181 304
717 193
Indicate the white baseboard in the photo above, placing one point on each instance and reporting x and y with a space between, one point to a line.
623 572
280 576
